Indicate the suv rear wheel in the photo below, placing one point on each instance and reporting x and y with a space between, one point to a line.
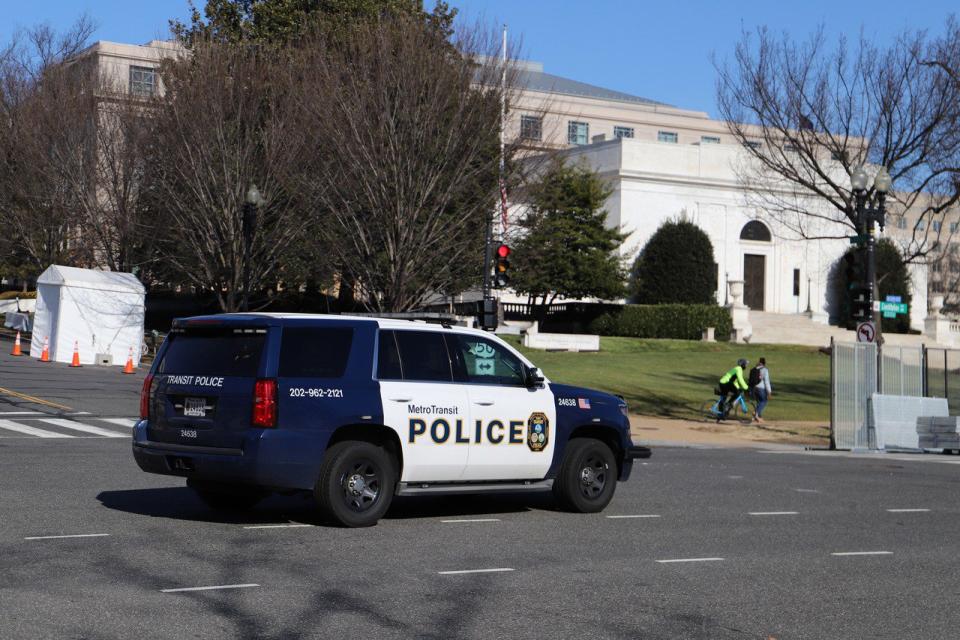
587 477
356 483
226 497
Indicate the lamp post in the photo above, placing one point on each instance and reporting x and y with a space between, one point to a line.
253 201
870 210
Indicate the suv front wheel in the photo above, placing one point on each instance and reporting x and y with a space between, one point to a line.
587 478
356 483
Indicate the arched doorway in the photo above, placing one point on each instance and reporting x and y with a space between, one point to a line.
754 265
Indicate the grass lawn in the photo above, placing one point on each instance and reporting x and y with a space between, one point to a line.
673 378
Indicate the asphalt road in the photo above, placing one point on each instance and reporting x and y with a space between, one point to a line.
700 543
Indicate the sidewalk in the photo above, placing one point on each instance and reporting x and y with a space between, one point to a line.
778 435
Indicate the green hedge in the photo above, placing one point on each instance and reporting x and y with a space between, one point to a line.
678 321
10 295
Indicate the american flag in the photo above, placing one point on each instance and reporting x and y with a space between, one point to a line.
503 202
583 403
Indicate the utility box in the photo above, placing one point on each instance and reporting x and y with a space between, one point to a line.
101 311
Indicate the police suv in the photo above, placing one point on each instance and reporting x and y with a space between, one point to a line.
357 410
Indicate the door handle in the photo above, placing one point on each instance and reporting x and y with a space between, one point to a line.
400 399
484 404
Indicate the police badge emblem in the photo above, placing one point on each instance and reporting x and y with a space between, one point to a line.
538 431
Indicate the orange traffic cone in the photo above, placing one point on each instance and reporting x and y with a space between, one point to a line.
128 368
76 354
16 346
45 354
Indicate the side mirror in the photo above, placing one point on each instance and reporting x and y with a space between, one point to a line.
534 377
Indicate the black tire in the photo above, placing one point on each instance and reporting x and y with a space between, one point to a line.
707 414
587 477
226 497
356 483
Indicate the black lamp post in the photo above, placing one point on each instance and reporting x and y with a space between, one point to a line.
870 210
251 203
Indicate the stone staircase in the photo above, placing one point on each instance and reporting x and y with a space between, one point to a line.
793 328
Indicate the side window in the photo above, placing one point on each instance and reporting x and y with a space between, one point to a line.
483 361
388 358
314 352
423 355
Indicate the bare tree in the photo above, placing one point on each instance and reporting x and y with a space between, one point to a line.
809 114
225 122
43 121
404 127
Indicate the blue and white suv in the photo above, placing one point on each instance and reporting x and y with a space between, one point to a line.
357 410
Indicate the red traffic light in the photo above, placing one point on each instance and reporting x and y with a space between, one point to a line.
503 251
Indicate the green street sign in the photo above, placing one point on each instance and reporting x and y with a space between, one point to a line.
858 240
889 314
894 308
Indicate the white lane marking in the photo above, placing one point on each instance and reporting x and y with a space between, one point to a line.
862 553
807 490
472 520
772 513
20 413
689 560
640 515
908 510
86 428
462 571
30 431
735 477
123 422
78 413
210 588
276 526
76 535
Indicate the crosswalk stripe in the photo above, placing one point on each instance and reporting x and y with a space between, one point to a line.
30 431
123 422
86 428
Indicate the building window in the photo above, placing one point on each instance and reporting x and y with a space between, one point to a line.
752 144
953 227
755 230
936 267
667 136
790 147
143 81
578 132
936 225
955 267
709 139
622 132
921 225
531 128
796 282
839 155
901 223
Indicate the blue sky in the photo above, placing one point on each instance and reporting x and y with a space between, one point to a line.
659 50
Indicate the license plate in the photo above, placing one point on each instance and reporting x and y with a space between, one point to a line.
195 407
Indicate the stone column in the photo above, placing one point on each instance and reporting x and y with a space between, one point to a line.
739 313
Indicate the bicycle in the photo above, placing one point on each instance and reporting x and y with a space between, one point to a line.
742 409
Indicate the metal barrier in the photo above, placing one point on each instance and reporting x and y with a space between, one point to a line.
853 379
859 370
942 379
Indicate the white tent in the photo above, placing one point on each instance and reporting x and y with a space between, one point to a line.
101 310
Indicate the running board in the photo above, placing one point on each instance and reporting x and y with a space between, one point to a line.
427 488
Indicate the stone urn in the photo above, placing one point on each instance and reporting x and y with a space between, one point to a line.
736 293
936 305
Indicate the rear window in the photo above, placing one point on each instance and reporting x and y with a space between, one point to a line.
315 352
213 352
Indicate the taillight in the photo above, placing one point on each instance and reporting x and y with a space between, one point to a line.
145 397
265 403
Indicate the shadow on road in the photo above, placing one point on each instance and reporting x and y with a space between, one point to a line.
180 503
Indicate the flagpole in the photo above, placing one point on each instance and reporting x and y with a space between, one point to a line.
503 124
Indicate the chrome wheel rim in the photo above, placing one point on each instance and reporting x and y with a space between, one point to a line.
361 485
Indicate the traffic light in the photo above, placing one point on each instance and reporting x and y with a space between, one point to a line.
857 287
502 279
488 314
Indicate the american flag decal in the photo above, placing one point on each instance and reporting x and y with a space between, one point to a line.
583 403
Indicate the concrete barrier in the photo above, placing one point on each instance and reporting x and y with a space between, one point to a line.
895 418
533 339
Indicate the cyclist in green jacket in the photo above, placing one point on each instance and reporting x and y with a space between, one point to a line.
731 384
